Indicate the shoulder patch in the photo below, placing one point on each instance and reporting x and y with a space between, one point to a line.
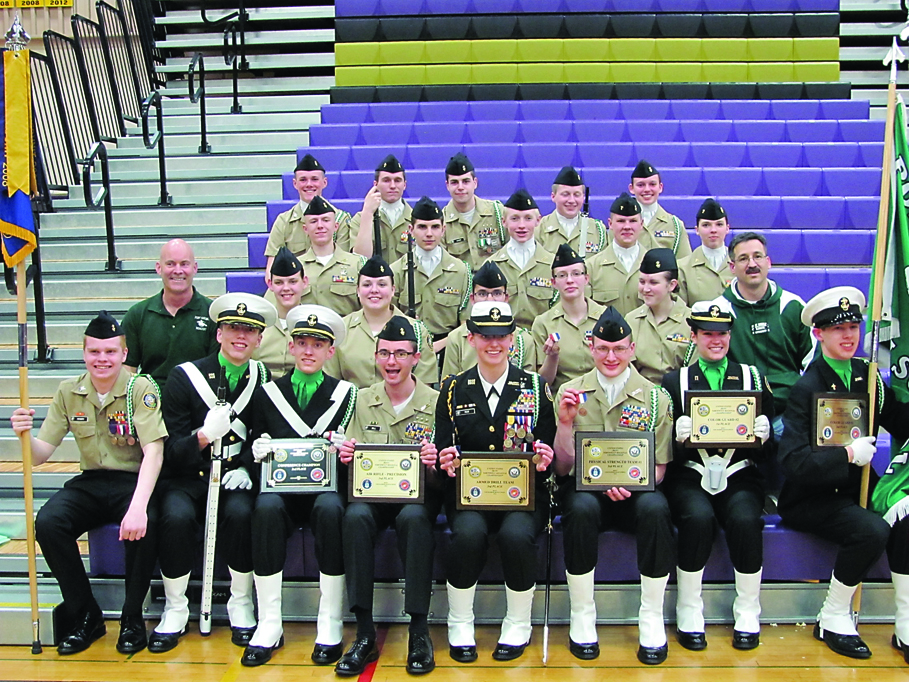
150 400
547 391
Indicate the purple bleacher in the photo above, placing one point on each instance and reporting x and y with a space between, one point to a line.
840 247
559 154
859 278
595 109
753 213
804 182
355 184
387 134
246 282
695 109
861 212
600 131
812 131
545 110
352 206
373 8
430 156
345 113
804 282
712 155
547 131
843 109
814 212
608 181
832 154
491 132
853 182
607 153
334 135
784 246
368 157
680 181
733 182
439 132
255 249
781 109
538 181
744 109
500 183
645 109
492 155
444 111
425 182
872 153
274 208
287 186
334 159
493 110
661 154
773 154
394 112
862 131
706 131
686 208
758 131
653 131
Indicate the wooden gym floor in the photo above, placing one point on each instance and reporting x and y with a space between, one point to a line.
788 653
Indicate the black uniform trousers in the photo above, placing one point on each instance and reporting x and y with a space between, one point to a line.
898 547
182 513
416 545
646 514
91 499
697 515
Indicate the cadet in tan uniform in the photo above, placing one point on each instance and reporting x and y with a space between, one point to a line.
400 409
562 334
614 397
614 271
474 227
567 224
660 326
526 265
116 420
331 271
286 285
441 282
386 197
661 229
489 284
352 360
309 181
705 274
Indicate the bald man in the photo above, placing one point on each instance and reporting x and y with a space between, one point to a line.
172 326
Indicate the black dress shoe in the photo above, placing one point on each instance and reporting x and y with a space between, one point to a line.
362 652
326 654
508 652
693 641
259 655
652 655
899 646
241 636
159 642
89 627
420 659
745 640
844 645
133 637
463 654
586 652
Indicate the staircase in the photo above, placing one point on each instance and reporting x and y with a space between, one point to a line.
867 28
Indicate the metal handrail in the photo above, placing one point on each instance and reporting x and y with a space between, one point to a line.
230 50
154 100
198 95
99 151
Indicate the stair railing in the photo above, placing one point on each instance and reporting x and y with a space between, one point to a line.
234 47
154 100
198 95
99 151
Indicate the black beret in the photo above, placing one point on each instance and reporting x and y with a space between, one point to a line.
318 206
711 210
459 164
644 170
104 327
390 164
611 326
625 205
426 209
285 263
658 260
376 267
398 329
568 176
309 163
489 276
521 201
565 255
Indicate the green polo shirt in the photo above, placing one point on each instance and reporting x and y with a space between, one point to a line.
158 341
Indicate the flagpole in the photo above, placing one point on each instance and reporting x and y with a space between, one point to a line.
894 56
16 40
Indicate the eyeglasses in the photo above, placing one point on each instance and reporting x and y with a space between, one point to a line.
483 295
399 354
617 351
561 276
758 258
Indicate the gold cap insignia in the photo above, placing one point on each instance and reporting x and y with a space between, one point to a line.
844 303
657 264
401 330
714 311
312 320
241 309
495 314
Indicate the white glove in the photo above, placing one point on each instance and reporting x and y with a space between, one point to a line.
238 479
762 427
261 447
863 450
217 422
683 428
335 437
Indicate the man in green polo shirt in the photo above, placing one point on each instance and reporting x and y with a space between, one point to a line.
172 326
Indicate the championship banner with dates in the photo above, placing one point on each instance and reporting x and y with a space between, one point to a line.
34 4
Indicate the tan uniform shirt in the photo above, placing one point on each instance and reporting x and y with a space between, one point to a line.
480 239
610 284
394 237
666 231
659 348
355 359
551 235
375 420
438 298
633 410
461 356
698 281
574 344
287 230
334 284
530 291
100 429
274 350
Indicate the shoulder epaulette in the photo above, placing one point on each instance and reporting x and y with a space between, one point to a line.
655 404
689 355
130 408
601 235
469 289
351 406
497 209
678 234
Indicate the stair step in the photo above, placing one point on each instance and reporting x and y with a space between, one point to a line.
184 17
259 86
142 251
254 39
215 103
200 166
270 62
220 142
227 123
161 220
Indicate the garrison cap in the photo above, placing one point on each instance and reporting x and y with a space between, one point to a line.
644 169
459 164
426 209
521 201
390 164
658 260
316 321
309 163
712 316
489 276
711 210
491 318
318 206
565 255
104 327
611 326
376 267
834 306
243 308
568 176
625 205
285 263
398 328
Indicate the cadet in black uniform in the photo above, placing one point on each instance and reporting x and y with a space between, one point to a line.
821 491
496 407
194 423
710 487
305 403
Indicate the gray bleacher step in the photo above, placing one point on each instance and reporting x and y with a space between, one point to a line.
185 193
254 39
190 168
62 354
15 563
314 60
885 29
240 141
162 219
138 265
243 122
869 5
153 230
143 250
42 383
128 286
41 480
251 105
12 514
862 54
180 17
249 87
878 99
